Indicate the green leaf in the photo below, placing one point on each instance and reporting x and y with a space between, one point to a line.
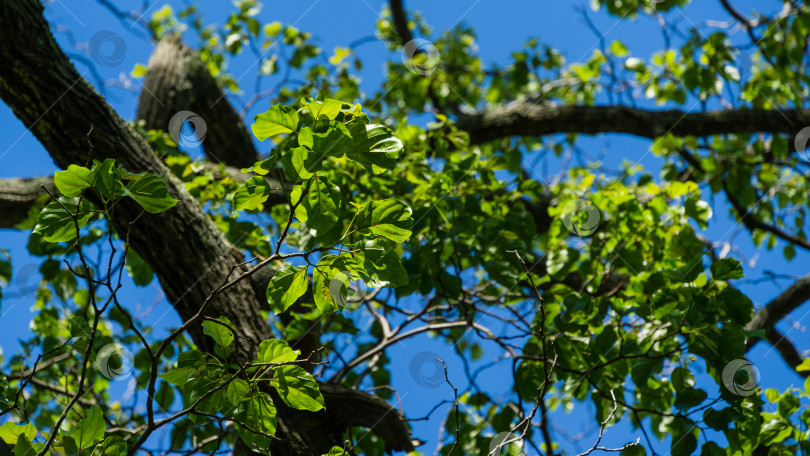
73 180
151 193
300 163
138 269
277 119
689 397
178 376
220 333
251 194
327 295
335 142
297 388
236 390
263 167
381 264
336 451
276 351
726 269
328 108
321 205
164 395
712 449
375 146
90 429
258 412
23 447
106 179
289 284
55 222
636 450
10 431
389 218
112 446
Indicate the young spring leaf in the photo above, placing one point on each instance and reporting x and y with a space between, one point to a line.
299 163
151 193
258 412
276 351
73 180
23 447
328 108
320 207
106 179
335 142
9 432
375 146
251 194
55 222
277 119
381 264
112 446
289 284
297 388
726 269
220 333
90 429
389 218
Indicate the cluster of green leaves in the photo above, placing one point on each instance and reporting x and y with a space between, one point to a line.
60 219
86 194
209 385
364 233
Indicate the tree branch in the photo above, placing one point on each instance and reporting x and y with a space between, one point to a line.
178 80
532 119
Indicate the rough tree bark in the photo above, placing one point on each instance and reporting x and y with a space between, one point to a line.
539 119
189 255
178 80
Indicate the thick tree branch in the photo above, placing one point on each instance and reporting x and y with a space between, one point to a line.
17 196
790 299
178 80
532 119
768 316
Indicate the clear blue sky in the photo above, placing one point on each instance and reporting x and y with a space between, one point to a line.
502 28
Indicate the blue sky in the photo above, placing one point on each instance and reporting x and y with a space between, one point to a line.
502 27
